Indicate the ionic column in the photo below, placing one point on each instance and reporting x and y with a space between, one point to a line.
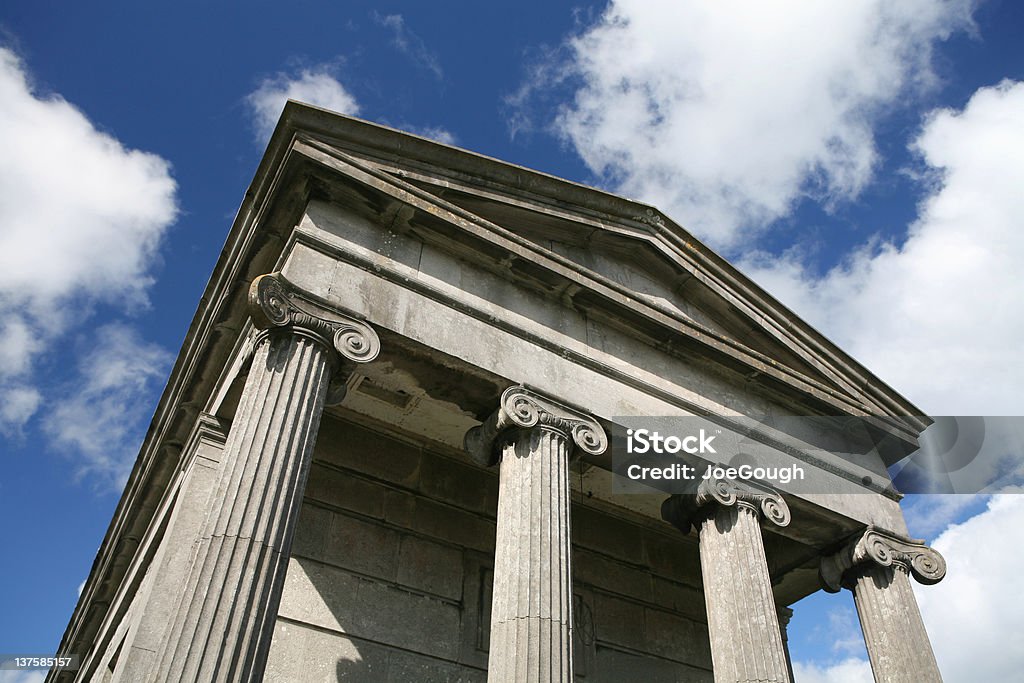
746 642
223 626
876 566
533 438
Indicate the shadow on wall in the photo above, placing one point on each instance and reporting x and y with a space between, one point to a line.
364 601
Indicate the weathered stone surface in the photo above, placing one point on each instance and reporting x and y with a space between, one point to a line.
531 613
743 626
243 551
224 623
615 665
158 602
311 531
340 488
331 598
484 273
620 622
366 453
430 567
894 632
301 653
876 565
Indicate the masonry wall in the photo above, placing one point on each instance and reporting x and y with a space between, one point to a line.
390 577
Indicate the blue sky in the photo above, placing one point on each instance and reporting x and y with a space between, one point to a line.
863 162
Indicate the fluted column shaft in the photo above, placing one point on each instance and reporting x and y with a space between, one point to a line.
533 439
746 644
876 565
743 625
531 610
894 632
227 613
225 620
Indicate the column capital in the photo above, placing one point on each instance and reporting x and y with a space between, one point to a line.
274 303
521 408
876 547
682 509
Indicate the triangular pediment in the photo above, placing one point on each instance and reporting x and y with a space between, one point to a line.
633 256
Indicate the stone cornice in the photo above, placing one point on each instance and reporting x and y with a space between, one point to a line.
358 148
521 408
274 303
684 510
878 548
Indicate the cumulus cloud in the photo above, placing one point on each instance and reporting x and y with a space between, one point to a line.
928 515
317 85
851 670
16 676
19 404
102 419
939 315
725 114
971 615
81 219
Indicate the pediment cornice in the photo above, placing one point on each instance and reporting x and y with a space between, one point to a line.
498 206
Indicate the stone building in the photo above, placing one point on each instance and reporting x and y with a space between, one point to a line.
392 410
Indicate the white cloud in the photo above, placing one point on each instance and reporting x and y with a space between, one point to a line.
939 316
103 419
81 218
409 43
436 133
845 631
317 86
975 616
19 404
847 671
18 344
928 515
16 676
725 114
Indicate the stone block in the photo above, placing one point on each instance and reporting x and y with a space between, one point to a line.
674 637
602 572
399 508
677 597
454 525
674 559
607 535
618 622
331 598
362 546
311 531
361 235
405 667
357 448
300 653
460 484
614 666
342 489
430 567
